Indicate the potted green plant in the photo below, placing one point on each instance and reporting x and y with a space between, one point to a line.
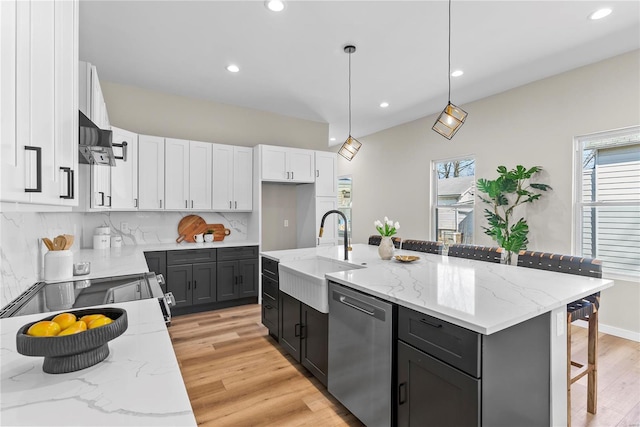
511 189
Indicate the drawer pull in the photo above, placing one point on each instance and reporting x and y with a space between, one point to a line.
402 397
268 307
268 296
435 325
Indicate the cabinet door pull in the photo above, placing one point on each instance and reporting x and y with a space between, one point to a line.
135 202
195 284
109 197
192 204
186 204
69 173
291 174
188 285
229 204
236 205
38 151
296 330
435 325
240 279
402 396
160 203
303 330
124 151
317 173
101 193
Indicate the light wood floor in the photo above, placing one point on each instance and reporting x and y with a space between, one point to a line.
236 376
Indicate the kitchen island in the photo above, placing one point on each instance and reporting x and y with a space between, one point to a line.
138 384
492 300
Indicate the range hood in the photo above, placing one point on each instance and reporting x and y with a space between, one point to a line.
94 144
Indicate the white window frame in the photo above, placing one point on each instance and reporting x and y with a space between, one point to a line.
433 228
579 205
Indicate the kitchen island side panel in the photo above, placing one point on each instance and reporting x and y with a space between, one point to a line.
516 375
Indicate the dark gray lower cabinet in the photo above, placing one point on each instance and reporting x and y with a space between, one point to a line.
304 334
431 392
237 273
157 262
192 284
270 304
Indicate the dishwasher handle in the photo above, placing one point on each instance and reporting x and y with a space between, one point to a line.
343 300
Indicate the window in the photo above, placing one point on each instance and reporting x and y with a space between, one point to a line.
345 188
607 213
454 188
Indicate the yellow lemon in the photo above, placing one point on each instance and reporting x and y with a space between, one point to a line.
76 327
45 328
90 317
65 320
100 321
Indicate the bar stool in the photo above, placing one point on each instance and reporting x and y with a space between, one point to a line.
375 240
423 246
584 309
480 253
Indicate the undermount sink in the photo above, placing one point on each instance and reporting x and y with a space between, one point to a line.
305 280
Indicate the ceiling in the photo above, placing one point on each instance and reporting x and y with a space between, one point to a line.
293 63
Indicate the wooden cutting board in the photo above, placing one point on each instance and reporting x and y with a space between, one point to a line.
188 227
219 231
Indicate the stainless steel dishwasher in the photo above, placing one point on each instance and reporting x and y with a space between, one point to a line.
360 354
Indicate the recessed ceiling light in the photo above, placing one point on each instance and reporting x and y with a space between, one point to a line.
600 13
332 139
384 104
233 68
274 5
457 73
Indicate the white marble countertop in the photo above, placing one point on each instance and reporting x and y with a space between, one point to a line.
129 259
138 384
480 296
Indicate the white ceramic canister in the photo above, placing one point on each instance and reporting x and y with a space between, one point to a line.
101 241
116 241
58 265
103 229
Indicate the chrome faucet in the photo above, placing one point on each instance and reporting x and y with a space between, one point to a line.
346 238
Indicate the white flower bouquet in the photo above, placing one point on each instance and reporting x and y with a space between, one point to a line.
388 228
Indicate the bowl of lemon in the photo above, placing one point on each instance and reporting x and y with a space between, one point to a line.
72 340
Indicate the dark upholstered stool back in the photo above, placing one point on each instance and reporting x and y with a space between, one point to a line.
423 246
480 253
571 265
375 239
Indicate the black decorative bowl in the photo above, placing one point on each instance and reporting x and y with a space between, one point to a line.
71 353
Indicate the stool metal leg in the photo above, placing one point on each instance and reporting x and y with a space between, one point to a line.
568 370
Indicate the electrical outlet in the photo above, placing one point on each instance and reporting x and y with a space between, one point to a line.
286 222
124 228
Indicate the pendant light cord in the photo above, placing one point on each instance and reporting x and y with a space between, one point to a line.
349 93
449 70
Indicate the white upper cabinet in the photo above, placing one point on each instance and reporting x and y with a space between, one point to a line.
284 164
176 172
124 176
150 172
200 175
326 174
38 82
232 178
90 100
187 174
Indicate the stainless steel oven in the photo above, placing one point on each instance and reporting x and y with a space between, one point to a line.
44 298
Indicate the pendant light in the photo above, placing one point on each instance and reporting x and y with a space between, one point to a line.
351 146
452 117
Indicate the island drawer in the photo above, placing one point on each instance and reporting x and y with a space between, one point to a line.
457 346
270 268
240 252
270 290
190 256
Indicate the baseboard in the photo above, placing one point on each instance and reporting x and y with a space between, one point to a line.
612 330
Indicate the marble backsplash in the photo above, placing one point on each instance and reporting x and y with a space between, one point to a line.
22 251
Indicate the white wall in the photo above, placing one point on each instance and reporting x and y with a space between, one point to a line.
155 113
530 125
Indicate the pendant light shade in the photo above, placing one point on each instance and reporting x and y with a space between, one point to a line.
450 120
351 146
452 117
